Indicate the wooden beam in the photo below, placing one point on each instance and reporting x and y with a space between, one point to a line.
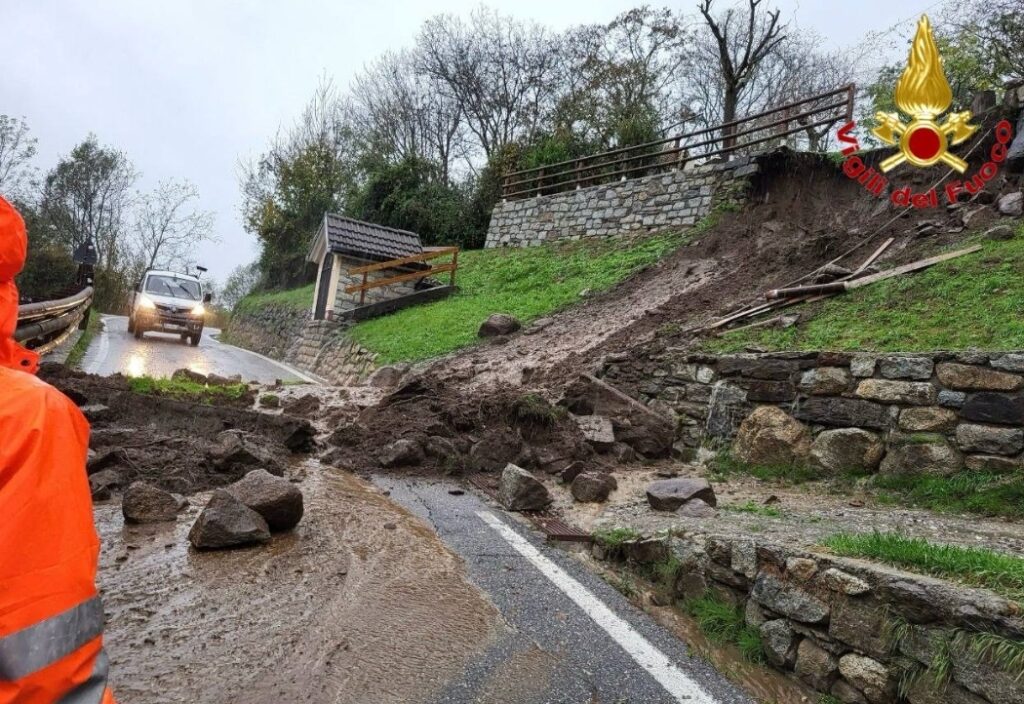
426 255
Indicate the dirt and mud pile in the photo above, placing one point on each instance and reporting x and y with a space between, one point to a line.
179 445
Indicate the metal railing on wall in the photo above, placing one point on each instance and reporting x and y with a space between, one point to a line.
44 325
672 153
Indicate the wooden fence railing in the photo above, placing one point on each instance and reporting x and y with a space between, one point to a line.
428 254
672 153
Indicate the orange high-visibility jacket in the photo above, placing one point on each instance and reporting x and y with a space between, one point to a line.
51 649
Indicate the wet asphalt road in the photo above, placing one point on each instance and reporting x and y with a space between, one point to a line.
553 652
160 354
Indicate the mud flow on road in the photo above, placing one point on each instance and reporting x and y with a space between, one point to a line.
360 603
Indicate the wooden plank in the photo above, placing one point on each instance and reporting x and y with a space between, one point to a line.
907 268
403 277
426 255
871 260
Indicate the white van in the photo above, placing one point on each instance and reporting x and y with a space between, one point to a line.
165 301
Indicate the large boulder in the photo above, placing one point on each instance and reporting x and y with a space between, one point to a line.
770 436
145 503
670 494
519 490
596 430
1011 204
495 450
847 449
236 450
498 324
227 523
401 453
275 498
593 487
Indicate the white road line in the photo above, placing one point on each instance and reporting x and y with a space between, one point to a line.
282 365
655 662
102 347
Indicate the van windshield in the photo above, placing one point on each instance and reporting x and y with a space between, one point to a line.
175 288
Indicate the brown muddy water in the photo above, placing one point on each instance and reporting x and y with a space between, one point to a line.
361 603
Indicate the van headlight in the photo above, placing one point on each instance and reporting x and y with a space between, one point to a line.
146 303
198 310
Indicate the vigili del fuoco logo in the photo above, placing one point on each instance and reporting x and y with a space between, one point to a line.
923 94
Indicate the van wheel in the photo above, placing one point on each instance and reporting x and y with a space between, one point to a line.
138 332
131 325
184 338
194 339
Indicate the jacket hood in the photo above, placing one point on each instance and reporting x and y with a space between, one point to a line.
13 248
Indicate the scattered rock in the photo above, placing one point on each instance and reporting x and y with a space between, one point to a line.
596 430
275 498
388 376
989 439
226 522
103 483
569 474
770 436
305 406
401 453
1012 204
440 447
145 503
593 487
519 490
238 450
1000 232
670 494
496 449
847 449
696 508
498 324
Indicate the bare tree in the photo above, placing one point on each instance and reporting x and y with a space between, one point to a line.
498 71
169 225
743 41
406 114
17 147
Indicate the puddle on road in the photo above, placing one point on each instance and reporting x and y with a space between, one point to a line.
361 603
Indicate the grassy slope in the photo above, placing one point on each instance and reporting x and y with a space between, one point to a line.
526 283
973 301
296 298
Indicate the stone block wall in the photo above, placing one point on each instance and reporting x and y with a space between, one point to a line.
854 630
320 347
348 301
677 198
935 413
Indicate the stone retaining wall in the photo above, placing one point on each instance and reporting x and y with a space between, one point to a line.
933 413
320 347
855 630
675 199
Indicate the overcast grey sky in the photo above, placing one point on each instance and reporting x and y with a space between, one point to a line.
189 87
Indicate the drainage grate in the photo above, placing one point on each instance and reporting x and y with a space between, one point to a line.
556 529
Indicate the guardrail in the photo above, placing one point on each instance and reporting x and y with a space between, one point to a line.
674 152
427 254
44 325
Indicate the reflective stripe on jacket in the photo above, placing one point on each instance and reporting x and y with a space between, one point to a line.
51 650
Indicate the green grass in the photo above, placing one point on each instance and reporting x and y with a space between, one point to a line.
528 283
977 567
725 465
756 509
187 390
295 299
971 301
722 622
614 538
81 346
966 492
